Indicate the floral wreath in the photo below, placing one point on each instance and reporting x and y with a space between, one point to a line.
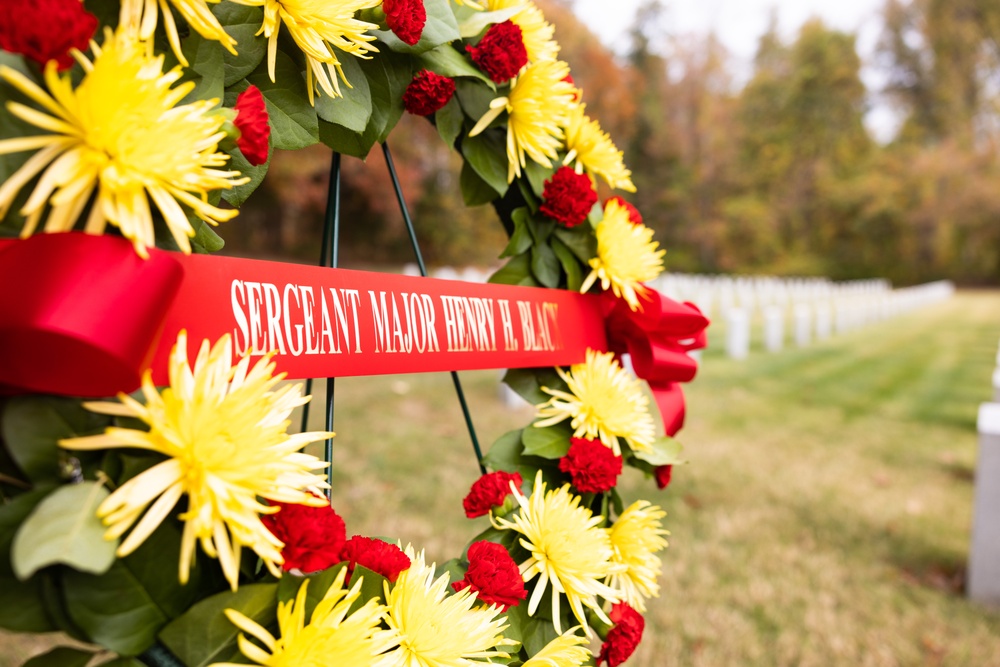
139 118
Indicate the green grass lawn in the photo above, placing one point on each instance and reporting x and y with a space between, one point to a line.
823 519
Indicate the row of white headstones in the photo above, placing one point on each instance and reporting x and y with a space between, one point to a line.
983 580
813 308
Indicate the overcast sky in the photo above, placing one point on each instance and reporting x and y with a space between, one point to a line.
740 23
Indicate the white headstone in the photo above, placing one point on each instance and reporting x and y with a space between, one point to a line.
823 322
774 328
737 333
803 319
984 553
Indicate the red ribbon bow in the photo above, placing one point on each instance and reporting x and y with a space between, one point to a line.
658 338
80 315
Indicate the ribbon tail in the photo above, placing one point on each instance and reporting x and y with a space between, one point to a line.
670 400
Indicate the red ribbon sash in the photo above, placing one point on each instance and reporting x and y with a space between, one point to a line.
82 315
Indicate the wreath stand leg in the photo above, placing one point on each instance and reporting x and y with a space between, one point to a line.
329 257
423 272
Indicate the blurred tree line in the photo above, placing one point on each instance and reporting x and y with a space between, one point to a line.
778 176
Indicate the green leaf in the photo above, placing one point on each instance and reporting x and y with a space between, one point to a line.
319 584
446 60
61 656
354 109
122 662
475 98
348 142
475 191
372 586
206 68
31 427
550 442
238 195
449 120
126 607
666 451
521 240
21 605
479 21
505 454
241 23
526 383
64 528
517 271
204 635
205 239
487 154
454 569
439 29
580 241
388 76
570 264
545 265
537 174
293 120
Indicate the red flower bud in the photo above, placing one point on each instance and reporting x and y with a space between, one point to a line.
45 30
377 555
427 93
488 491
568 197
313 536
500 53
593 467
494 575
623 637
406 18
251 120
663 475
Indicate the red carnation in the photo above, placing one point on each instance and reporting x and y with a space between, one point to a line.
494 575
623 637
377 555
406 18
488 491
45 30
313 536
427 93
500 53
568 197
251 120
594 467
633 213
663 475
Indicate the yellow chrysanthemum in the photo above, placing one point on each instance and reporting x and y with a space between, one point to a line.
592 149
535 30
566 650
223 429
319 28
636 537
141 16
537 108
568 550
96 141
437 629
353 641
627 256
605 402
